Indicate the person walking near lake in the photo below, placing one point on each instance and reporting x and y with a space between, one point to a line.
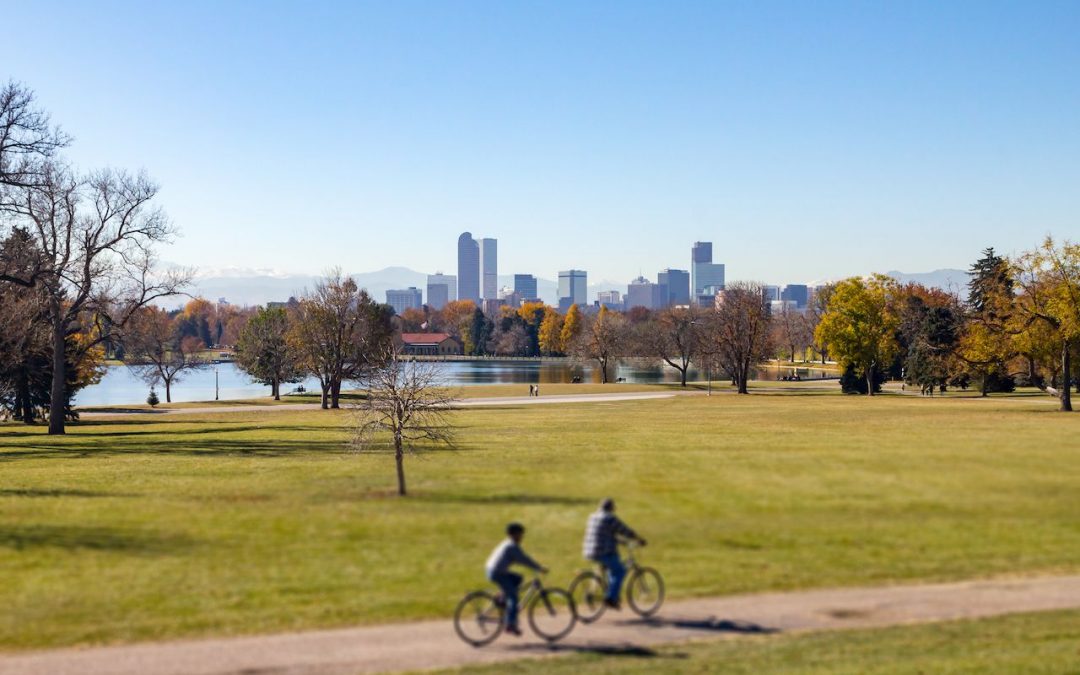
601 546
497 568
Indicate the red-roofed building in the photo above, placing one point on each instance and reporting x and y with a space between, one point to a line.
430 344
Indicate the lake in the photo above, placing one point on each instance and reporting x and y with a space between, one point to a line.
120 386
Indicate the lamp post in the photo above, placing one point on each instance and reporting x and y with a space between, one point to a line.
217 389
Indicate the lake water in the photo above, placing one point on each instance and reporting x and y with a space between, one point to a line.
120 386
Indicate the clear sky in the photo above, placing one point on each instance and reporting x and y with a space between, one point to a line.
805 140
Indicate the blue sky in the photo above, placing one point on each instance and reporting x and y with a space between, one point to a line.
805 140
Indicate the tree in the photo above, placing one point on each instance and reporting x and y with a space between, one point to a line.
263 352
814 311
674 335
405 399
987 340
480 331
27 139
1049 279
930 321
96 236
571 327
549 337
737 333
338 333
156 352
791 330
152 399
604 339
859 327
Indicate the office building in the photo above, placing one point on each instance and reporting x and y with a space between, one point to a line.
441 289
798 293
489 269
771 292
678 285
404 298
706 277
777 307
643 293
468 268
609 298
525 287
572 288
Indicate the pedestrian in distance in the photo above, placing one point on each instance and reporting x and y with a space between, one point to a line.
506 555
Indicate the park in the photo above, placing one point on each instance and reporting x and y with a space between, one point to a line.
149 527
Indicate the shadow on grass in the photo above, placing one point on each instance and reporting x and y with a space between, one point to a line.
76 538
624 650
57 492
516 498
98 446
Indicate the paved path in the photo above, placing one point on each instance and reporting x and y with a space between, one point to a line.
462 403
432 644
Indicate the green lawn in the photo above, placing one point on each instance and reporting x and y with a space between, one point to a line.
1023 643
135 529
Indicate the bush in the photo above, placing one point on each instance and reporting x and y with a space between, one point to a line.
852 382
152 400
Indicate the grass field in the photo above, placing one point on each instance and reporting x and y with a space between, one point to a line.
1019 644
142 528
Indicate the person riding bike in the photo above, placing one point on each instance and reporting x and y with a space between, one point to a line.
601 546
497 568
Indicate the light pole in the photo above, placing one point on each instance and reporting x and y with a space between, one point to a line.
217 389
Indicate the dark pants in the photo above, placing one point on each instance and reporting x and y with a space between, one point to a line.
616 572
509 583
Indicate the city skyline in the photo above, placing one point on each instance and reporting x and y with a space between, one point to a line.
554 131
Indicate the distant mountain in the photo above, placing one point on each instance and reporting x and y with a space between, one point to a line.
951 280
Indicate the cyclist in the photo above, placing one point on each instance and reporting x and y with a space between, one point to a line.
506 554
601 546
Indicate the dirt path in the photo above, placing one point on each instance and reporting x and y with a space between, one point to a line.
432 644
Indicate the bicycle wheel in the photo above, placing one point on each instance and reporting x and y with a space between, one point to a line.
588 590
645 591
551 614
478 619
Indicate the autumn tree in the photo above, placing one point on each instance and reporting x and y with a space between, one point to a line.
549 335
407 401
1049 281
157 353
603 338
987 338
859 327
930 321
263 352
571 327
737 334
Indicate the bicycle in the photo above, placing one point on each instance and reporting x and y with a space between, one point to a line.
644 588
480 617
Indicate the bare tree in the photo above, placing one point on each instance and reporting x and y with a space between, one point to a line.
674 335
96 237
791 330
738 332
155 352
603 338
27 138
406 399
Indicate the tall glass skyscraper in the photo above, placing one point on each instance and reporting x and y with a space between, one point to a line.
572 288
706 277
489 269
525 286
468 262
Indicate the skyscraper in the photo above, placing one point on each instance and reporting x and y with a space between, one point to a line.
643 293
525 287
798 293
405 298
706 277
678 285
441 289
468 263
572 288
489 269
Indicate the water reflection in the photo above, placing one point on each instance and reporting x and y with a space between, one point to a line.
119 386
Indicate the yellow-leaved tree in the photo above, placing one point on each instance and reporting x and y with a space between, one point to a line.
859 326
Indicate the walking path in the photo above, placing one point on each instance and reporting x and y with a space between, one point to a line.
433 644
462 403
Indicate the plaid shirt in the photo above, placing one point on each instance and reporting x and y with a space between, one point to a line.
601 532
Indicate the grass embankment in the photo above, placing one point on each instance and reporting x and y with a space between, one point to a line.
151 527
1022 643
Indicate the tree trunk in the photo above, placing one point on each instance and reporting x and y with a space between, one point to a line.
335 394
741 374
324 393
682 374
23 405
603 371
275 387
168 389
1066 374
870 380
985 384
399 458
59 379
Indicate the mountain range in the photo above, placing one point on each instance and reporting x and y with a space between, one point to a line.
242 286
